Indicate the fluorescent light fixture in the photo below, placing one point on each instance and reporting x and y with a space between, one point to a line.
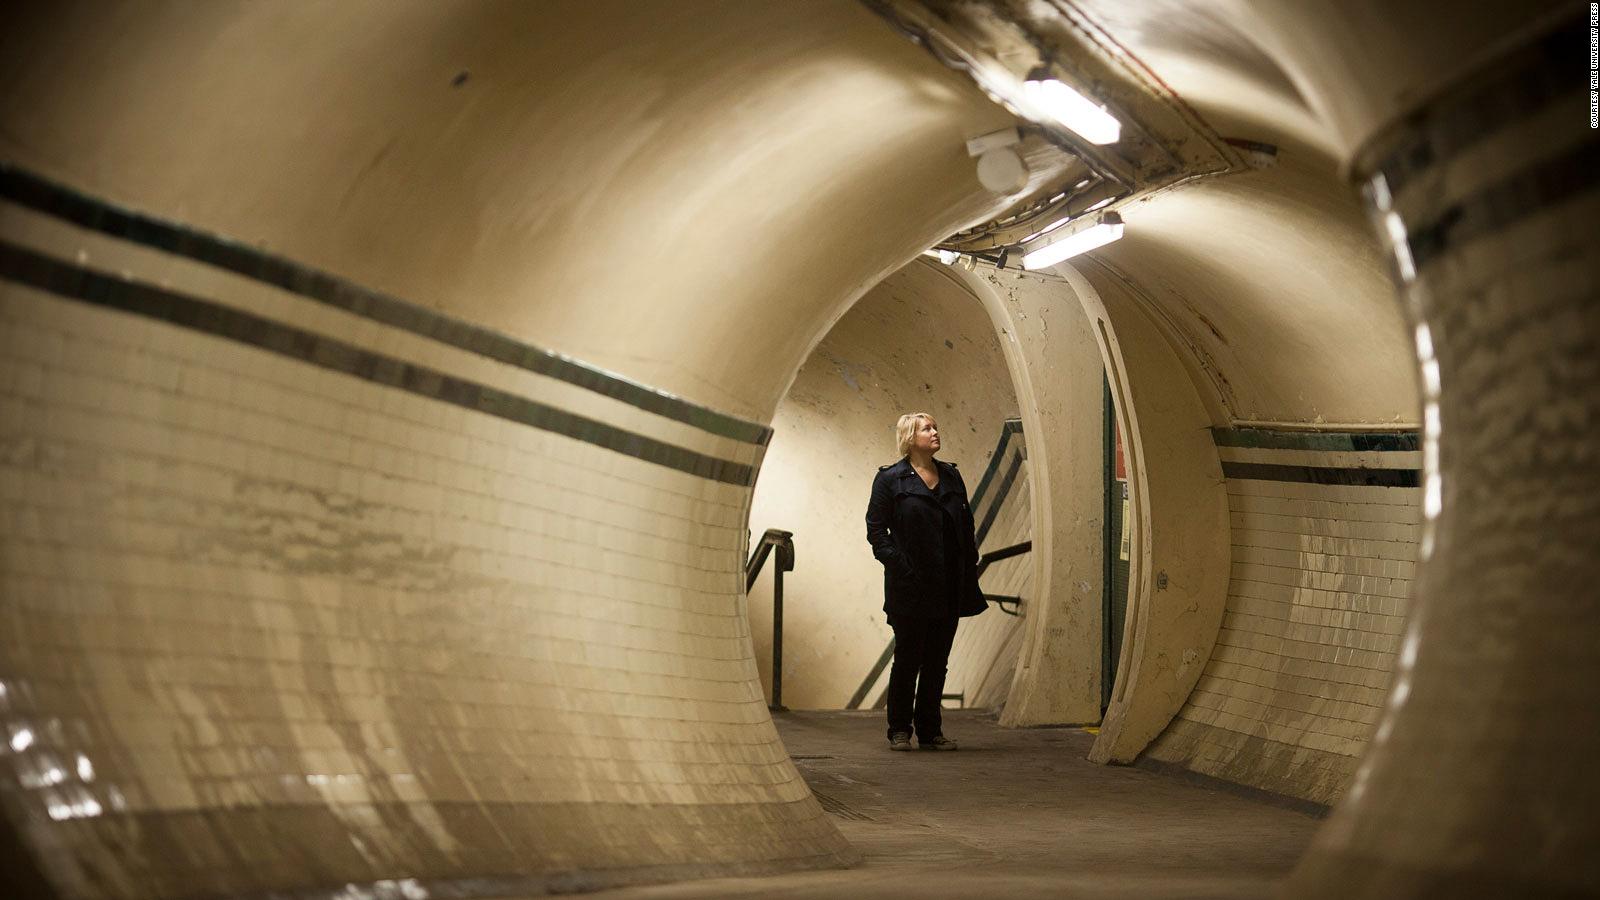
948 257
1105 229
1057 100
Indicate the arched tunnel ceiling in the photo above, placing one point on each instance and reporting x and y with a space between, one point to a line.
768 180
688 202
1269 280
1271 284
690 195
1267 277
1202 54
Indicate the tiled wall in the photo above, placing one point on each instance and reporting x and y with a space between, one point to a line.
302 586
1324 536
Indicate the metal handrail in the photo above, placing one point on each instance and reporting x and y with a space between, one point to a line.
999 600
784 542
994 556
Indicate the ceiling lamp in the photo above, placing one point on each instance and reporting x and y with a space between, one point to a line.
1091 233
1054 98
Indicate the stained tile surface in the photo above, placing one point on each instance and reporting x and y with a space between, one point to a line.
1321 575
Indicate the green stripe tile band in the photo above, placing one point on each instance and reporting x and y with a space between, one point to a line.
1321 474
1268 439
49 198
74 282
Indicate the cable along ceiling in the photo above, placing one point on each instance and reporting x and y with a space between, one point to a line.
1003 44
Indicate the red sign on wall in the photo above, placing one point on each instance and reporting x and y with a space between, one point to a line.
1122 468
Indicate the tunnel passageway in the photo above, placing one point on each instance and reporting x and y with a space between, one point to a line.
384 388
1022 814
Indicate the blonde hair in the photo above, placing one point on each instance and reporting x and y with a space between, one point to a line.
906 429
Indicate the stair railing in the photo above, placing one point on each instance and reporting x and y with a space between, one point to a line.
1001 602
783 542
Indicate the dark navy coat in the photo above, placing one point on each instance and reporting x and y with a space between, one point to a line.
905 525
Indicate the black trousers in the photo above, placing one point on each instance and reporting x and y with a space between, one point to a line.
916 680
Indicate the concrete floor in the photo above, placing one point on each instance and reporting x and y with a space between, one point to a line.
1014 813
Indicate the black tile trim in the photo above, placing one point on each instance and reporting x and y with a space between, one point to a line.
884 659
1502 204
1511 89
1000 498
1007 429
26 267
1321 474
41 195
1268 439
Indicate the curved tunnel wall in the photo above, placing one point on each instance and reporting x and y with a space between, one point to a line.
1176 534
1051 352
326 588
1483 179
1466 129
391 602
477 179
1323 552
1273 297
914 343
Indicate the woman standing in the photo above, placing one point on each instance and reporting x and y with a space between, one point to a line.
920 528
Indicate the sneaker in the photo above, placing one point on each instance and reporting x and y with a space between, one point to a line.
899 741
937 743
